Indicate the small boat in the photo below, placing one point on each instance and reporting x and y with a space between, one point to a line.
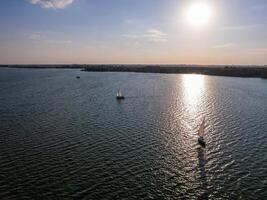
201 139
119 95
78 77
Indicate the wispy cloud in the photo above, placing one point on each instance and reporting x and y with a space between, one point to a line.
59 41
226 45
151 35
260 7
35 36
129 21
154 35
258 50
55 4
242 27
39 37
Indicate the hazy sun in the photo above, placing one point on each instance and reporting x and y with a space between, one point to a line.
198 14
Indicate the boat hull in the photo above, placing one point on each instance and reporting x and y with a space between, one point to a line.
202 142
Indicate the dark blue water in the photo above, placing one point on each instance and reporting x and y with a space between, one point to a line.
68 138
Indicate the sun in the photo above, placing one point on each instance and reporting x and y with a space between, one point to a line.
198 14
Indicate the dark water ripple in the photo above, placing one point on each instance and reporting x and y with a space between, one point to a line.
63 138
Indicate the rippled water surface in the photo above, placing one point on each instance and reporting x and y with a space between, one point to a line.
68 138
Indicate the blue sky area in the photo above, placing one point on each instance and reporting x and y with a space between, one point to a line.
133 32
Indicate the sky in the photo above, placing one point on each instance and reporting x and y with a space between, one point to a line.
133 32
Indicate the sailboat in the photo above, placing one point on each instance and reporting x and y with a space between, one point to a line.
119 95
201 139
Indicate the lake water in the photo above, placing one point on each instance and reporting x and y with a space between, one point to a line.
68 138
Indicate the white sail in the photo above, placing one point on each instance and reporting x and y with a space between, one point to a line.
201 129
119 93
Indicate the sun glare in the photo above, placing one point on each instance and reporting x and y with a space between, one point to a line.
198 14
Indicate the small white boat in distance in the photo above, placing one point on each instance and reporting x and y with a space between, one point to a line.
201 129
119 95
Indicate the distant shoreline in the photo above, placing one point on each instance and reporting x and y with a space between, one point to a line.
215 70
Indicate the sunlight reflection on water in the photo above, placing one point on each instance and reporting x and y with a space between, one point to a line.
193 86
